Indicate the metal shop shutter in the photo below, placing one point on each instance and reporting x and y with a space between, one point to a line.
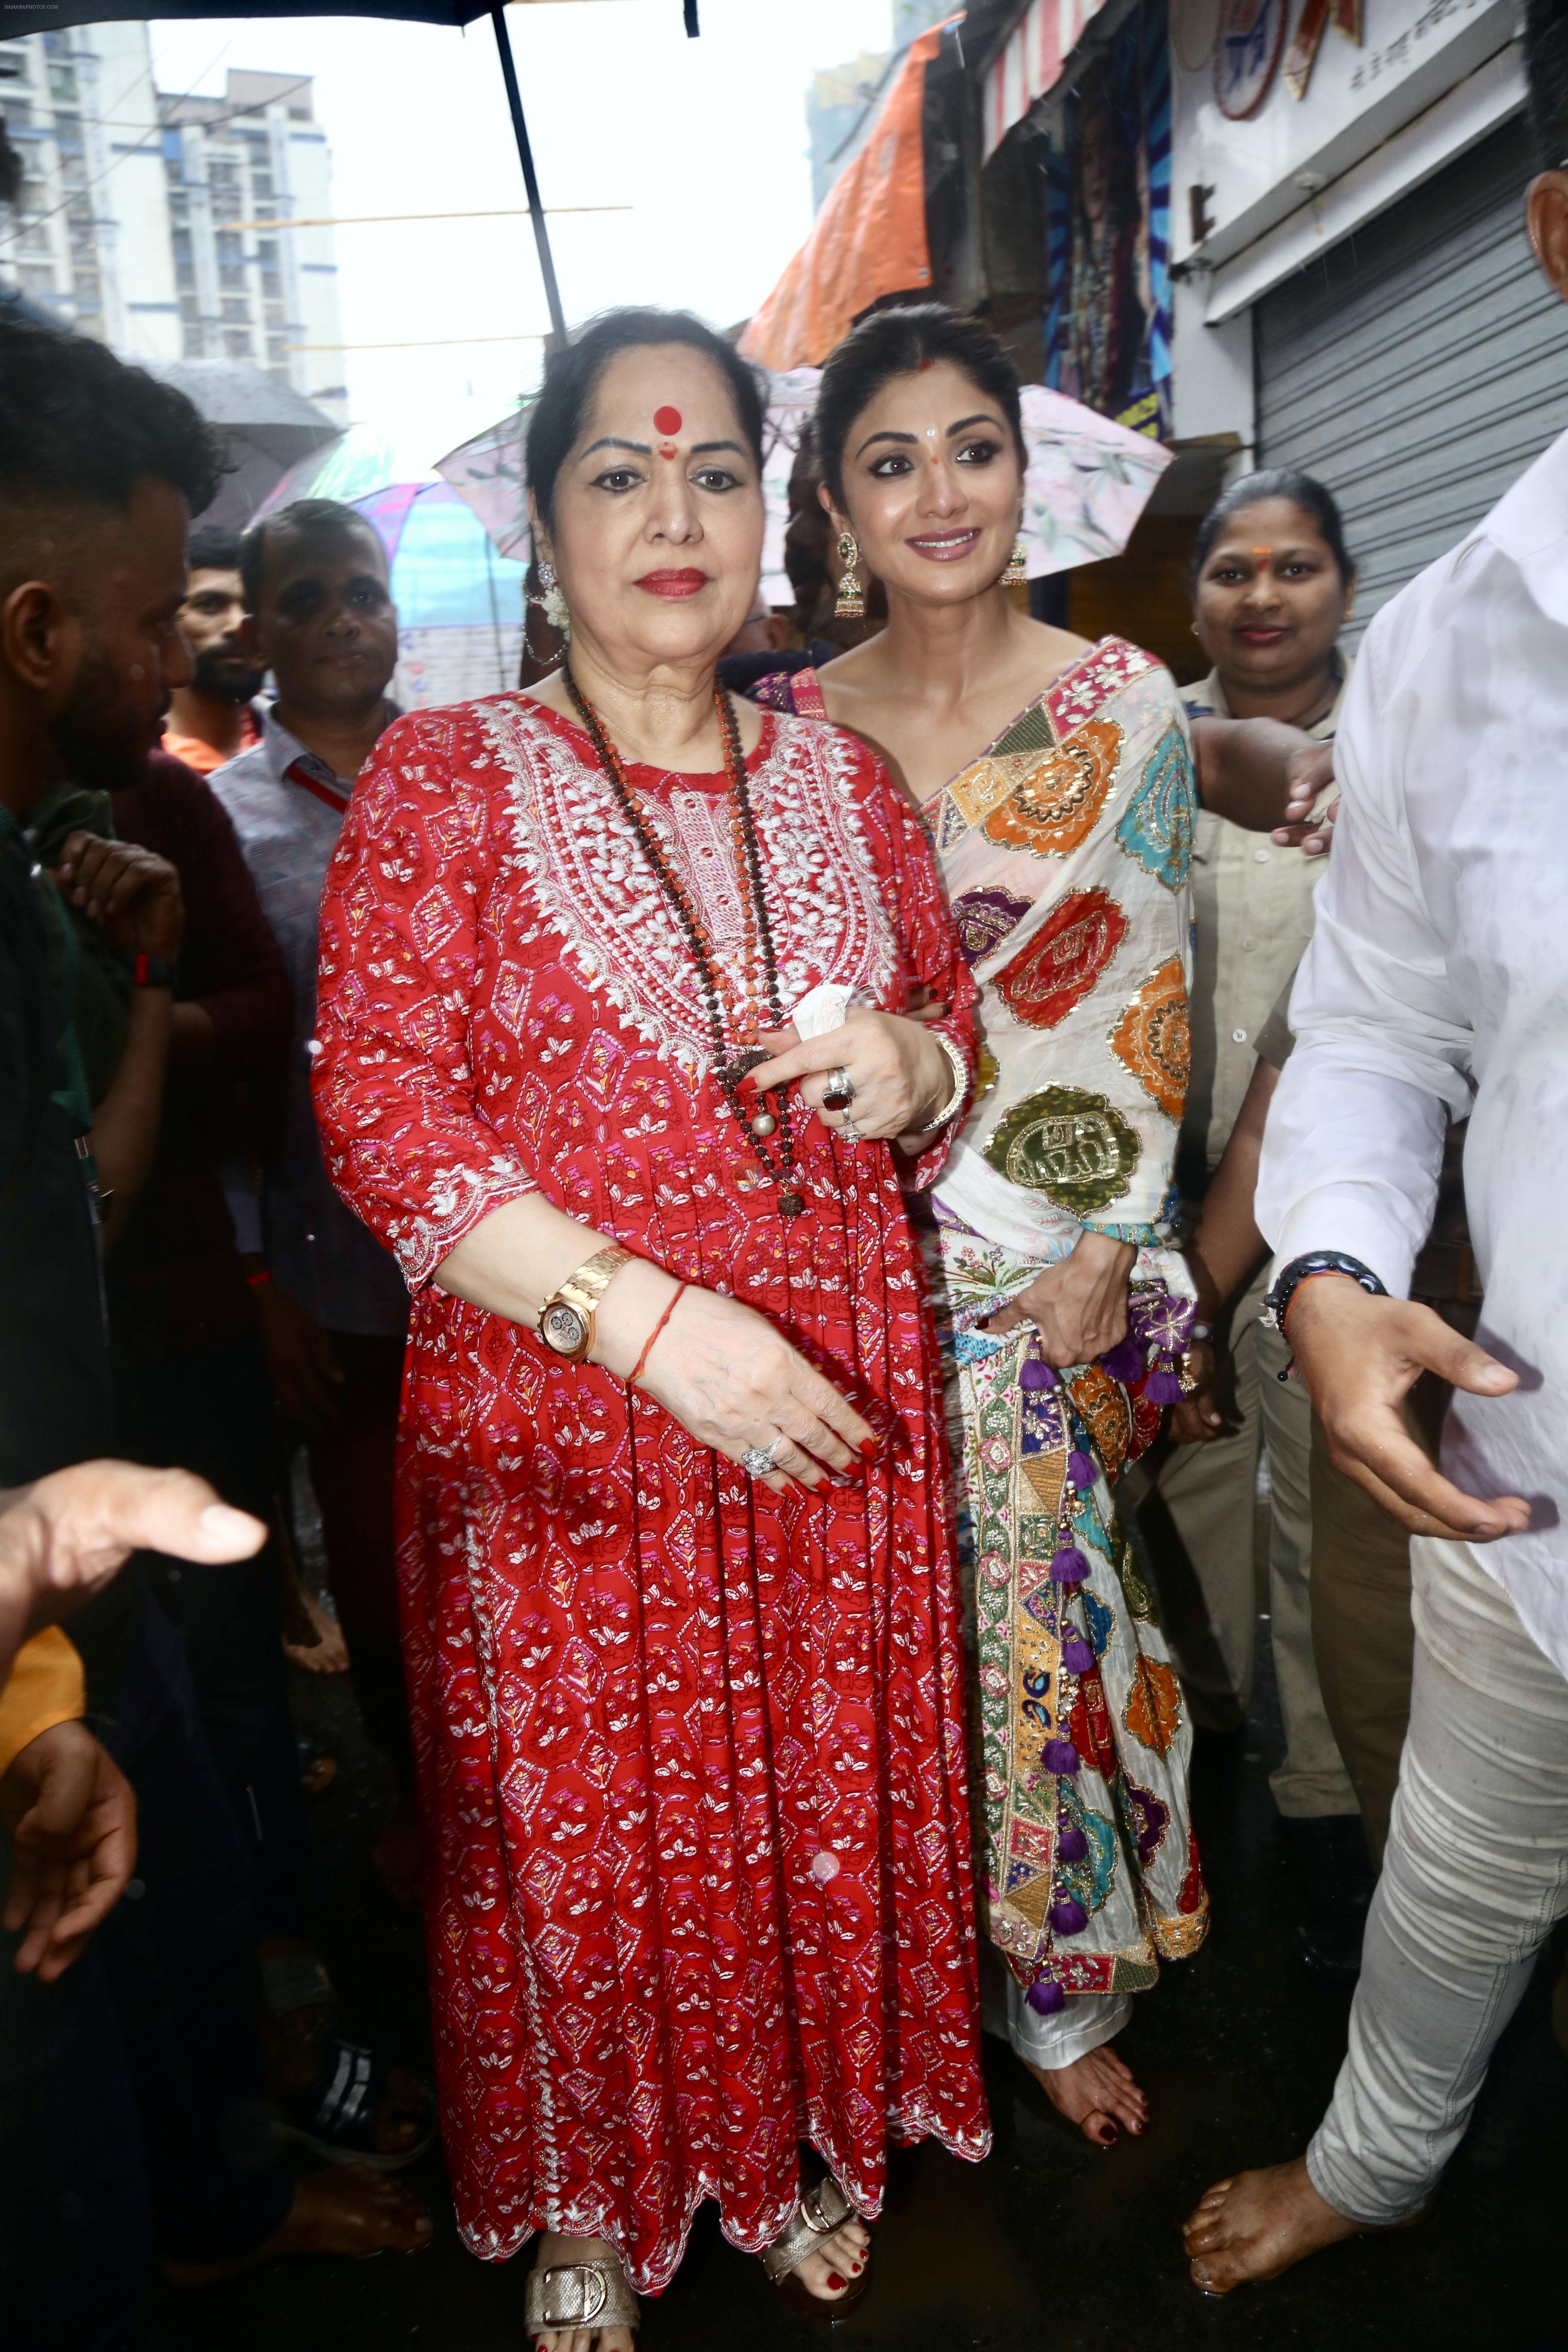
1419 367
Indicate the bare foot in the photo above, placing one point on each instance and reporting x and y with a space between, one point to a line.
830 2273
310 1638
1096 2093
554 2252
1258 2225
345 2210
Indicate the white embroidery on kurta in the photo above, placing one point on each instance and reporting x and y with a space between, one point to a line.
587 875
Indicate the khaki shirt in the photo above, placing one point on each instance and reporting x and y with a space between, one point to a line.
1252 912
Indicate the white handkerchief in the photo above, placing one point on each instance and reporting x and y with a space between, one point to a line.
821 1009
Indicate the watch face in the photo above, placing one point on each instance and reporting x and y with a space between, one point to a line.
564 1329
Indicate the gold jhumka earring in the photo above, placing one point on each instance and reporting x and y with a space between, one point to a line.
1015 575
851 605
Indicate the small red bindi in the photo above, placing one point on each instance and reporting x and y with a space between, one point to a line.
667 420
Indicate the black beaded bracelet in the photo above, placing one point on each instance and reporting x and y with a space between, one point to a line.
1289 1278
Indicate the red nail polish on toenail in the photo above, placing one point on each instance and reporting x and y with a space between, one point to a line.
836 2283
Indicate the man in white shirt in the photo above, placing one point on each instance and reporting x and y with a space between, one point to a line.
1437 983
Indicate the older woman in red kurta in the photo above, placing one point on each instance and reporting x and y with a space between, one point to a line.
680 1615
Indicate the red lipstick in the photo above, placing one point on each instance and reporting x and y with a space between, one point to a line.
674 584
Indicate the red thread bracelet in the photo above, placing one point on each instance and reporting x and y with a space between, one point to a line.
1319 1274
636 1372
258 1281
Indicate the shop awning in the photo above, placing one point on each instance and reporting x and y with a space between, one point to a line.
869 239
1030 63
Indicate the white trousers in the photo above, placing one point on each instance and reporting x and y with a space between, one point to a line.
1473 1879
1087 2019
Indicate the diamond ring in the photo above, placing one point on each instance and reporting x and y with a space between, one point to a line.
840 1091
758 1460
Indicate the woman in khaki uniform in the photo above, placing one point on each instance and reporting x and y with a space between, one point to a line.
1273 587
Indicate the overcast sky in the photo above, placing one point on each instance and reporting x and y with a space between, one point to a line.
704 140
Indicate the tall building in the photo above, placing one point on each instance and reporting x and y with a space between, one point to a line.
248 182
168 225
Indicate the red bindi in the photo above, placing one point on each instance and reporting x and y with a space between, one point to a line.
666 449
667 420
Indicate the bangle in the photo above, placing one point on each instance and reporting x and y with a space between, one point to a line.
1286 1283
153 971
954 1102
636 1372
258 1281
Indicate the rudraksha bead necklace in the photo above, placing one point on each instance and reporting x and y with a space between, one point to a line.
730 1061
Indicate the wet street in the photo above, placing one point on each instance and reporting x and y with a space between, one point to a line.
1049 2240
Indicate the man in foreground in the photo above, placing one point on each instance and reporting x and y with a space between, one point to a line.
1438 972
99 468
214 715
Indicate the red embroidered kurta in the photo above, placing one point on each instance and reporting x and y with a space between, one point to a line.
691 1755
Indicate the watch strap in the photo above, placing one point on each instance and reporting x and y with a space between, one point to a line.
584 1288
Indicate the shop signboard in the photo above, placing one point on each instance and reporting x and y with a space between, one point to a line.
1279 101
1247 56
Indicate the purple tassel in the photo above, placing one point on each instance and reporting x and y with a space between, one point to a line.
1068 1917
1070 1565
1034 1374
1126 1362
1077 1655
1045 1997
1071 1844
1164 1387
1080 1470
1059 1756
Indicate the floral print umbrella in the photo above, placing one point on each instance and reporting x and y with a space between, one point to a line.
1087 482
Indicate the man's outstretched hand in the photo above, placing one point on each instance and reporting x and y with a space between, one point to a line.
73 1818
1360 1355
65 1536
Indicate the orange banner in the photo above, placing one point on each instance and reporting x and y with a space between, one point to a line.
869 239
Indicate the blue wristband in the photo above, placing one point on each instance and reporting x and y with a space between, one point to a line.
1289 1278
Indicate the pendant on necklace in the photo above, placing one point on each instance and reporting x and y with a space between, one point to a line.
791 1204
731 1073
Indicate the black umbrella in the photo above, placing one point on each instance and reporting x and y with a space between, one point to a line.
53 16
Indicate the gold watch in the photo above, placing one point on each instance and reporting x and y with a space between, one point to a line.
566 1322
